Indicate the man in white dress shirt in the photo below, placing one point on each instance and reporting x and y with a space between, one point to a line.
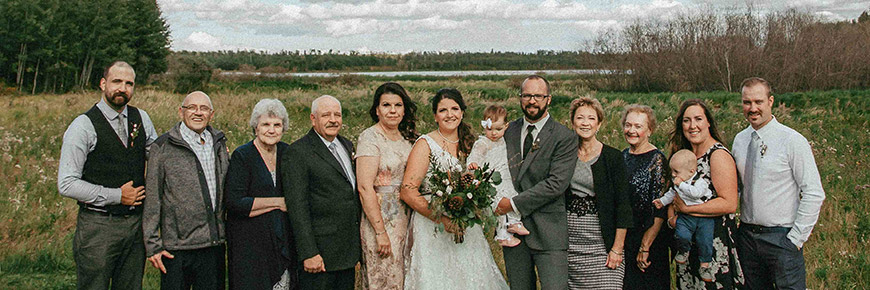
782 194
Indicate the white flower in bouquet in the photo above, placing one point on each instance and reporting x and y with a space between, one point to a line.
475 182
469 195
449 189
446 182
439 193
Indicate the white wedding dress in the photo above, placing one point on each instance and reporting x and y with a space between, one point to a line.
436 262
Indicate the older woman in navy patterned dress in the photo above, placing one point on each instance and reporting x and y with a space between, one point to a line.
646 244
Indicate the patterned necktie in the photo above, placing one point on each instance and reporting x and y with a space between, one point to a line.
751 155
121 129
527 143
334 151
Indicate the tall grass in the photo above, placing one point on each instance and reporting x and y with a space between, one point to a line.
37 224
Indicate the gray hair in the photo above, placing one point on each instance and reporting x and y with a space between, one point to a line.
316 103
270 108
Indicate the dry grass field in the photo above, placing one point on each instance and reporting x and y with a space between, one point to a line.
36 224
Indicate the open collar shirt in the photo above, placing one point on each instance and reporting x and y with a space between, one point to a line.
202 145
786 187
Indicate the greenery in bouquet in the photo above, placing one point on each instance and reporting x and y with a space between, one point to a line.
463 196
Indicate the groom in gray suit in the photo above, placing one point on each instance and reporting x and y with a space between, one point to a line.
541 155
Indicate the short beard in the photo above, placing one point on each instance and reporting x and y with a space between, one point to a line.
110 100
541 111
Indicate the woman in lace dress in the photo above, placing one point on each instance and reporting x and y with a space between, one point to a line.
598 206
435 261
646 244
695 129
382 151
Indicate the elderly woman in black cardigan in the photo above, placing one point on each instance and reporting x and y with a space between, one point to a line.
598 206
260 245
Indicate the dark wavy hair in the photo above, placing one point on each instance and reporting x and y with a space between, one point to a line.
408 125
678 139
466 137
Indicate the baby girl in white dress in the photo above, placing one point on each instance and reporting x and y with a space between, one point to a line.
490 149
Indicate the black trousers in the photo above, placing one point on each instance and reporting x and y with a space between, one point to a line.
200 268
657 275
108 250
521 262
338 280
769 259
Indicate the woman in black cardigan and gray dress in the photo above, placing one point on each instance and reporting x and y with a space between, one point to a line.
598 206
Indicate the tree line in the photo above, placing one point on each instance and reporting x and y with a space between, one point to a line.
708 51
57 46
317 60
60 45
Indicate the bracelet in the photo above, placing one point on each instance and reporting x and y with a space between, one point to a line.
642 251
613 251
381 233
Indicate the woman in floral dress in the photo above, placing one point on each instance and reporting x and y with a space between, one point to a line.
382 152
695 129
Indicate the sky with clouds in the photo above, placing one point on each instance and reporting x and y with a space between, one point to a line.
435 25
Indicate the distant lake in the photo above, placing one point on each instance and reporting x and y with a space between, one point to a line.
448 73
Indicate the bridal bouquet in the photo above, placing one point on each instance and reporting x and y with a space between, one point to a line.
464 197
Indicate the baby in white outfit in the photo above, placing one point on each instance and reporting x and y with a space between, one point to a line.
490 149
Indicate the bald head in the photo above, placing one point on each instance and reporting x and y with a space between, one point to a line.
118 64
196 111
322 100
326 116
197 94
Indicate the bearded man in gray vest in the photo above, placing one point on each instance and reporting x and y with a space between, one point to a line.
102 167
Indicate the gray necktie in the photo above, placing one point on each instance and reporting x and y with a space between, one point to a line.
121 129
751 155
334 151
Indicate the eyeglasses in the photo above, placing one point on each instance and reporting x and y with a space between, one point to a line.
202 108
538 98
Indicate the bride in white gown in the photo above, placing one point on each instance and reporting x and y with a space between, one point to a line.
434 260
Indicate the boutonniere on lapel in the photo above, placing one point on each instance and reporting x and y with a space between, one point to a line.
763 148
536 145
134 133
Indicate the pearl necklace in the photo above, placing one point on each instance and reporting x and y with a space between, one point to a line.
445 139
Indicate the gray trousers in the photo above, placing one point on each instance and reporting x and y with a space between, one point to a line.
521 261
108 251
769 259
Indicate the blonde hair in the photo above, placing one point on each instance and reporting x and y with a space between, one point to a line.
684 159
642 109
587 101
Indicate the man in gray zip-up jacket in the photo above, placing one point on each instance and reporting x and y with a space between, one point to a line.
183 216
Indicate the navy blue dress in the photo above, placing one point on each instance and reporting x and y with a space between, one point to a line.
259 248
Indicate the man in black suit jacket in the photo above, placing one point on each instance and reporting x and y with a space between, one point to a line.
541 155
322 200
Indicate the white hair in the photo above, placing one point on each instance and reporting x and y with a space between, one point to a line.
271 108
316 103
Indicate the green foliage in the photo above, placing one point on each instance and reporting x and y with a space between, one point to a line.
59 45
189 73
37 223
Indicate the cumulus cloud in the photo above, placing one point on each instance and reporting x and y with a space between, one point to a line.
456 22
